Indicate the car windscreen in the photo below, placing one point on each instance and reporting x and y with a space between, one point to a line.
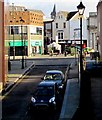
44 91
53 76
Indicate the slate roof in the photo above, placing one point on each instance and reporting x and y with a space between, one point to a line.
71 14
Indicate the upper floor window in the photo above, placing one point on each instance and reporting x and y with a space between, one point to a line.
64 25
60 35
17 30
14 30
39 31
56 25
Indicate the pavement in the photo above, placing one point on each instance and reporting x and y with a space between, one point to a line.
16 73
72 94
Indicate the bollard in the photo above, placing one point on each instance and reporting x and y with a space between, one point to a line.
9 65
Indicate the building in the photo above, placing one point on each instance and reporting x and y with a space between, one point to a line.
53 13
3 50
61 28
99 27
25 31
92 30
75 29
48 31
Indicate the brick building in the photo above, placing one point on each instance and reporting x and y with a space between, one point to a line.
25 31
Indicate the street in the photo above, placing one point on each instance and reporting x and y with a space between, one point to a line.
16 104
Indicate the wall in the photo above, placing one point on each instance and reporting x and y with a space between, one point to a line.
99 24
2 60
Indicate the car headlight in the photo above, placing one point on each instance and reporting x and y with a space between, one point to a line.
33 99
52 100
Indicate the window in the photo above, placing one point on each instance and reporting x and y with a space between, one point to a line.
39 31
14 30
24 29
17 30
60 35
56 25
64 25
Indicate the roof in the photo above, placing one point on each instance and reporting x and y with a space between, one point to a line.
54 71
71 14
46 83
65 13
38 11
48 20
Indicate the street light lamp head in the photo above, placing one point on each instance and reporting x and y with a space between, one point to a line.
81 8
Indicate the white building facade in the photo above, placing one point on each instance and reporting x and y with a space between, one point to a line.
61 28
92 30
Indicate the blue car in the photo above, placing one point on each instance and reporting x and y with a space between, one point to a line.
45 97
94 67
56 76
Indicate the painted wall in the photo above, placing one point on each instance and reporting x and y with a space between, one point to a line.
61 19
99 25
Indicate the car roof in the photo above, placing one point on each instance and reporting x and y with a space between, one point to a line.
90 61
45 83
54 71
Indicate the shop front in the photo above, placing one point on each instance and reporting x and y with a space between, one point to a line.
16 47
36 47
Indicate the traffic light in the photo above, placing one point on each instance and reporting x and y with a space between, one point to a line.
84 45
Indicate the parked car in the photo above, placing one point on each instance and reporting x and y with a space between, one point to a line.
94 67
94 55
56 76
45 97
89 64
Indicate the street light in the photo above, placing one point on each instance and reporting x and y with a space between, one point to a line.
9 63
97 42
21 20
81 9
75 46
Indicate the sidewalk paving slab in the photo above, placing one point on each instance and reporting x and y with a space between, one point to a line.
16 73
71 100
72 94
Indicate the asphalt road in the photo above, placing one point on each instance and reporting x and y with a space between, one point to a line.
15 105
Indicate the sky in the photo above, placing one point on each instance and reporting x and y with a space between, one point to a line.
65 5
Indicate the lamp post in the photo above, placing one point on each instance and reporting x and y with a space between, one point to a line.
81 9
97 42
75 46
9 63
21 20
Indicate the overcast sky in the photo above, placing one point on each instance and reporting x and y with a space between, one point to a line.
47 5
